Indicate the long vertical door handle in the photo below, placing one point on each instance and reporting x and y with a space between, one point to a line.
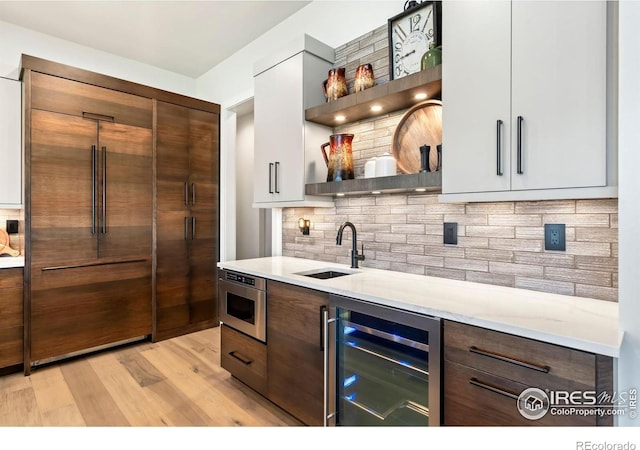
193 193
498 148
104 190
327 391
186 194
323 308
520 120
93 189
193 228
270 190
186 228
276 178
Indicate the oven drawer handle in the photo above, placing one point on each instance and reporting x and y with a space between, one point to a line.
239 357
474 381
517 362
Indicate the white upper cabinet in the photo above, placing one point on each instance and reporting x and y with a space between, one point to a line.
10 143
287 147
524 98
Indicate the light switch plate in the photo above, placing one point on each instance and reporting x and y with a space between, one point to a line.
12 226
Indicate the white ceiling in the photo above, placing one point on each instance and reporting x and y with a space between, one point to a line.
186 37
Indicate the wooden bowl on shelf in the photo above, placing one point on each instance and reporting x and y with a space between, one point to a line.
420 125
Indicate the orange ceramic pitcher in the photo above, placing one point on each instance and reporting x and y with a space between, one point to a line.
340 159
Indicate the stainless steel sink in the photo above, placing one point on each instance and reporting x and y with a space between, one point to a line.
325 274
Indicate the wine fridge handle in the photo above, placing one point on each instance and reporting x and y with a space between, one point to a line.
327 416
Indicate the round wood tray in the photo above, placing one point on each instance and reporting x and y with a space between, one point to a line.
420 125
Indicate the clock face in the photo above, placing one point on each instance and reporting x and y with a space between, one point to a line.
410 38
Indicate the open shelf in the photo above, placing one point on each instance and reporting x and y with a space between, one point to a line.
391 96
429 181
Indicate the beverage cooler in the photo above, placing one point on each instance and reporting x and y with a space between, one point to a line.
382 366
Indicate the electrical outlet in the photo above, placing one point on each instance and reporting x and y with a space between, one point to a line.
450 233
554 237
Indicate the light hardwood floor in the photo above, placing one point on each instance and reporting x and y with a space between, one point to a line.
176 382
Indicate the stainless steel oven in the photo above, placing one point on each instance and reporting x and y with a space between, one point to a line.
243 303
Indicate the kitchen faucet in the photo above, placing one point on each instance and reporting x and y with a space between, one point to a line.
354 250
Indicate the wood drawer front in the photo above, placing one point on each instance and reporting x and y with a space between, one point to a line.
244 357
51 93
11 278
519 359
467 404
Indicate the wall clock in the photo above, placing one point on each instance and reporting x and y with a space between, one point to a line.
410 34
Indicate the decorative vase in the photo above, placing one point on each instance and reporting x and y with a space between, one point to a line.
432 57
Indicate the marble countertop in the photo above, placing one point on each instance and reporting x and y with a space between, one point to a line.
576 322
7 262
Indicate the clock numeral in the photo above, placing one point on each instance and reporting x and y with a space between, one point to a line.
426 22
414 23
400 32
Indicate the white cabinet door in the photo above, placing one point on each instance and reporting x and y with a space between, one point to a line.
279 137
476 75
540 68
559 89
10 143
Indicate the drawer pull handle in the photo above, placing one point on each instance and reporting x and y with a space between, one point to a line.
492 388
517 362
240 358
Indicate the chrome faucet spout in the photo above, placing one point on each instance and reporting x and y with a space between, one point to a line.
354 249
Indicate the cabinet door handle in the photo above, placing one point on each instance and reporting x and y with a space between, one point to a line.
93 189
104 190
186 194
186 228
270 190
276 178
520 120
323 308
517 362
193 193
498 148
489 387
193 228
239 357
329 381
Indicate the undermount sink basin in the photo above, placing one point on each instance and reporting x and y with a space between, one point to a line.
325 274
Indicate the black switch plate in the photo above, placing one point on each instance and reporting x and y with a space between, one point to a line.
12 226
450 233
554 237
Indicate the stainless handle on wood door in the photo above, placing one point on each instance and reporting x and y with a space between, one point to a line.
276 178
186 194
104 190
498 148
193 193
93 189
519 143
270 166
511 360
193 228
492 388
186 228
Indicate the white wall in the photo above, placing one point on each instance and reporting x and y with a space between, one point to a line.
628 204
231 82
14 41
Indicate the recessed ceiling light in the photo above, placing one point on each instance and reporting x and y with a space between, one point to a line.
340 118
376 108
340 194
421 189
421 96
375 192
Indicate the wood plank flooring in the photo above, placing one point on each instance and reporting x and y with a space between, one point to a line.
177 382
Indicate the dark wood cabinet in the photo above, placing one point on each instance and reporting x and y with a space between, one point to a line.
244 357
11 321
187 147
485 371
89 216
295 354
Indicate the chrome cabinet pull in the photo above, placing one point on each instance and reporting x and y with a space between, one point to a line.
93 190
186 228
270 190
193 193
323 308
186 194
193 228
517 362
489 387
498 148
239 357
276 178
327 416
520 120
104 190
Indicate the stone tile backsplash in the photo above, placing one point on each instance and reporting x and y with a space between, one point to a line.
498 243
